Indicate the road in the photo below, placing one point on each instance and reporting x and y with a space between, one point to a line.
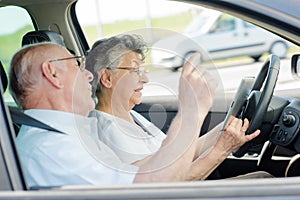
165 82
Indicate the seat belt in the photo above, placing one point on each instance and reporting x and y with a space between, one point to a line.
21 118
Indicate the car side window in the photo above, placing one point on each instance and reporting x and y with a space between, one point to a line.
174 37
223 24
11 35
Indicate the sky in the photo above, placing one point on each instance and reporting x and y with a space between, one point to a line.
108 11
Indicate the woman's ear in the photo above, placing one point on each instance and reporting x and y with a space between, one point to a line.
105 78
51 74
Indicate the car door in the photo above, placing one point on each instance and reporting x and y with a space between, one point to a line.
259 189
254 40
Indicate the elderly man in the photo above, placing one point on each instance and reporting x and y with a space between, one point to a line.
52 85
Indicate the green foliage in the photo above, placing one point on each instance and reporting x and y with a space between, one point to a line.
11 43
182 20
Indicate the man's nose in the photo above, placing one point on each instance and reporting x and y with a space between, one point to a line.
89 75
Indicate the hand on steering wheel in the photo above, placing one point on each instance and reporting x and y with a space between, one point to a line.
268 75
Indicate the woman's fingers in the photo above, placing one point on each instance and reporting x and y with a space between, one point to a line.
245 125
252 136
236 123
238 129
196 87
191 64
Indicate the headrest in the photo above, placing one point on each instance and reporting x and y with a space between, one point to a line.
42 36
3 77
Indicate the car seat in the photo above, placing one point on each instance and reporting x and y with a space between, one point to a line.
33 37
39 36
293 168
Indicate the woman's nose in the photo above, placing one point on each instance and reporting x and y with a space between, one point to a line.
144 78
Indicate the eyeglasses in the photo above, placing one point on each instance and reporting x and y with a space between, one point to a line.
141 71
80 61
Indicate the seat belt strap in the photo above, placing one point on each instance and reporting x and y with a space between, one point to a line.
21 118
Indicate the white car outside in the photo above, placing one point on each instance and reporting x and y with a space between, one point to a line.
216 36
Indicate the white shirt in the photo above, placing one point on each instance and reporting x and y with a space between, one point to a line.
127 140
74 157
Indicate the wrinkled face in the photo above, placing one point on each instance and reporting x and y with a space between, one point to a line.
82 94
76 84
128 82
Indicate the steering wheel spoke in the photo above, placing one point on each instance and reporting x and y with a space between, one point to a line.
261 95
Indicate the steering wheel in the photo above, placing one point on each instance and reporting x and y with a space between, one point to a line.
268 75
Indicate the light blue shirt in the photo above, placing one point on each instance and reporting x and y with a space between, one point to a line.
130 142
74 157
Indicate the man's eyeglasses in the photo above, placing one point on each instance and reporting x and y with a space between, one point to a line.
80 61
141 71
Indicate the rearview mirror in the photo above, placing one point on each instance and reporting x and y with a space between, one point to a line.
296 65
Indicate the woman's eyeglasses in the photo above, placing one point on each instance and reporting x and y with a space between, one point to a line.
80 61
141 71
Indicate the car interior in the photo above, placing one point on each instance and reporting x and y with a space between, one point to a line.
278 104
275 113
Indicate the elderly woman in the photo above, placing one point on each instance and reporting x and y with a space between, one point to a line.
117 65
119 76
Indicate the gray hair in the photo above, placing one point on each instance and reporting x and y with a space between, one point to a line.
109 52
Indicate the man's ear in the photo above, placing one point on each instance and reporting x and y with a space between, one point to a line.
105 78
51 74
